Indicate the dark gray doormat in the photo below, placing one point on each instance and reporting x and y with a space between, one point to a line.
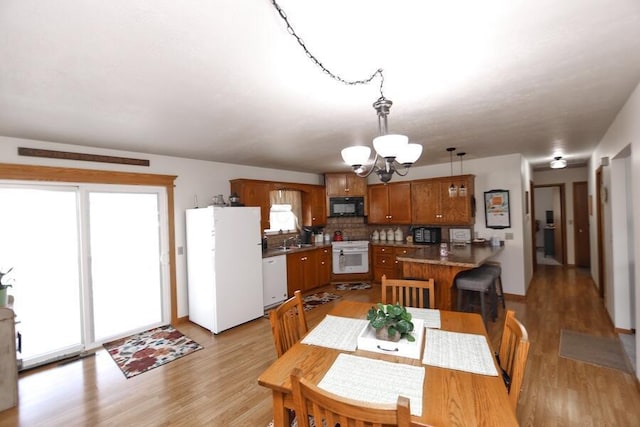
600 351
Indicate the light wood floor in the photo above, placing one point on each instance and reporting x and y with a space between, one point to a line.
217 386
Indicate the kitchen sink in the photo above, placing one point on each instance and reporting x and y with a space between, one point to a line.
298 246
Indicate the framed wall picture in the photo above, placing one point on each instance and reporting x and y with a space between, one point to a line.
496 209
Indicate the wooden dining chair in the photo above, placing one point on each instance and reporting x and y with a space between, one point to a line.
288 323
309 399
514 349
408 292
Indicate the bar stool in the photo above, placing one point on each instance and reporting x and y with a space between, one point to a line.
495 270
476 280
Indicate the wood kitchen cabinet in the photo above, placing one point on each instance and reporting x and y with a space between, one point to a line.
308 269
345 184
398 273
324 265
431 204
254 192
301 271
390 203
383 262
315 213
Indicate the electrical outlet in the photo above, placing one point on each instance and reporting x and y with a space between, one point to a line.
180 250
508 236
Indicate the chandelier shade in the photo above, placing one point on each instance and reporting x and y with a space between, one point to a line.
356 155
389 146
410 154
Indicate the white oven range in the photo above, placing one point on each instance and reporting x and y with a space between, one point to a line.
350 257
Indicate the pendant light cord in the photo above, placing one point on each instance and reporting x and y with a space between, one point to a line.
315 60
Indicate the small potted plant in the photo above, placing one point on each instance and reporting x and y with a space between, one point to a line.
391 322
3 286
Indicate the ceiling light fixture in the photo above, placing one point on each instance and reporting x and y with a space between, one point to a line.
453 190
394 154
558 163
394 150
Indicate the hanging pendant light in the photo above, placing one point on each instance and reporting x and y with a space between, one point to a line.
462 191
453 190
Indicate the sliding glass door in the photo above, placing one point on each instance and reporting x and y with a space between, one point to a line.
88 264
39 231
125 258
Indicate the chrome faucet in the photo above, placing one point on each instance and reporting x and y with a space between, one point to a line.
292 239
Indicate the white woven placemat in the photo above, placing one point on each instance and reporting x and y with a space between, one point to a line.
459 351
375 381
430 317
340 333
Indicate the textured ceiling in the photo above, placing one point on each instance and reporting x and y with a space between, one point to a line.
222 80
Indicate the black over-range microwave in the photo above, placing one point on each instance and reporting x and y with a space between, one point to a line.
346 206
426 235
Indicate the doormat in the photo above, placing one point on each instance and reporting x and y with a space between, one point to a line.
352 286
142 352
315 300
599 351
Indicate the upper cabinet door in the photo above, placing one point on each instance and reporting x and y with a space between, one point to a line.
400 203
390 203
378 204
345 184
431 203
425 202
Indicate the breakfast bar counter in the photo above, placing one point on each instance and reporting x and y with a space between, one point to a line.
426 263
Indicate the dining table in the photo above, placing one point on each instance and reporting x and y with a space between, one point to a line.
449 396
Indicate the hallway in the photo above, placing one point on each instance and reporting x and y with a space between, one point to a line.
560 391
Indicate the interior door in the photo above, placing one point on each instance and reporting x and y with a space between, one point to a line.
581 225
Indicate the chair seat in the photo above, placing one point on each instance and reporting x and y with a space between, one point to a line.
474 280
482 282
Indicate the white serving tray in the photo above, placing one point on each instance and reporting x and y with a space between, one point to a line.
367 341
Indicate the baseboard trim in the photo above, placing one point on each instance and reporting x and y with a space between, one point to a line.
514 297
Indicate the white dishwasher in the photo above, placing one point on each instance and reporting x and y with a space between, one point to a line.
274 280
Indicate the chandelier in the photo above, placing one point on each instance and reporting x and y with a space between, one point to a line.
394 154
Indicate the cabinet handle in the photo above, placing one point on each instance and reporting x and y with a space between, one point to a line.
384 261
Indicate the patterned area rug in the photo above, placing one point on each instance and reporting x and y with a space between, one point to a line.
352 286
147 350
312 301
600 351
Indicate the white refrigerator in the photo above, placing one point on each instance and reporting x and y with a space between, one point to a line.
224 266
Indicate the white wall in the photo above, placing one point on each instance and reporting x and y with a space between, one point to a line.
196 178
516 258
567 177
618 295
623 132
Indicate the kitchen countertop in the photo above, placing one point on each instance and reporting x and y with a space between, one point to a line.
275 252
470 255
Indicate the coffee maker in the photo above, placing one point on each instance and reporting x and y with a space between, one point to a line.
306 235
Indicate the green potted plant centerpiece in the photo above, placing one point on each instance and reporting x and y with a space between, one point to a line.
391 322
3 286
